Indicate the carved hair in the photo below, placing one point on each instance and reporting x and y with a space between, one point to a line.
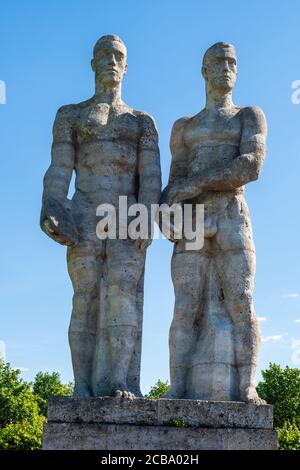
212 50
107 38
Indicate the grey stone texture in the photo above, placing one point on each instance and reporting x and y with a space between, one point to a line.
105 423
214 337
113 150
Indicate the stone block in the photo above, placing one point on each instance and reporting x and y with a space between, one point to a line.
105 423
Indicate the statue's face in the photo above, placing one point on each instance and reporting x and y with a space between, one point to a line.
220 69
109 63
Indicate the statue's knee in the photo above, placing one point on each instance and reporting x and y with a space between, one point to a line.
83 297
186 307
182 322
242 312
121 284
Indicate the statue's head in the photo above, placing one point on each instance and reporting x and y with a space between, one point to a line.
219 67
110 60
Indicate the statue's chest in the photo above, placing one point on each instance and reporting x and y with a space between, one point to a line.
213 131
212 142
101 122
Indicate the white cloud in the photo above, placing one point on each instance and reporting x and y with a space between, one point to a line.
265 339
298 320
296 352
294 295
262 319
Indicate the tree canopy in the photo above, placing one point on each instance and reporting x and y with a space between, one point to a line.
23 406
280 387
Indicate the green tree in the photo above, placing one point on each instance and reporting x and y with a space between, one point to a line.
20 422
48 385
25 435
281 388
289 436
158 390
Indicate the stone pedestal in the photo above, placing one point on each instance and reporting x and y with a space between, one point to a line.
105 423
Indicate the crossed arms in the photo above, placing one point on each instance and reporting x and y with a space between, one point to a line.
242 170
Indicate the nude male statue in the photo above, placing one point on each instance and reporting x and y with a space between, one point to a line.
113 150
214 154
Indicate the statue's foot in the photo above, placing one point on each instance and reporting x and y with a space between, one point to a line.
121 392
137 393
250 395
81 391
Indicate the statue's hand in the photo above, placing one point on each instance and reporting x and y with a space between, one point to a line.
169 194
181 189
57 222
143 243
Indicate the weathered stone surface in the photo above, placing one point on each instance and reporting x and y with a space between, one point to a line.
214 337
71 436
159 412
105 423
113 150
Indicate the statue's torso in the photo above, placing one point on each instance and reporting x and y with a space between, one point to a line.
212 139
106 142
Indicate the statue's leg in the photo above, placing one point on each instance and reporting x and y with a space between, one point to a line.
85 273
125 264
189 275
236 265
134 372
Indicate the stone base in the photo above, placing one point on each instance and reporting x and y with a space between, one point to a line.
105 423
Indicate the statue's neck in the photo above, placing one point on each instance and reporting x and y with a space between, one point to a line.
109 95
216 99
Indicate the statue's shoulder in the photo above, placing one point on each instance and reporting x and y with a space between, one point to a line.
180 124
72 111
67 113
67 109
146 120
254 116
177 135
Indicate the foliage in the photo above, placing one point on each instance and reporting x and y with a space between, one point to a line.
23 407
177 422
20 422
289 436
158 390
46 385
281 388
24 435
17 401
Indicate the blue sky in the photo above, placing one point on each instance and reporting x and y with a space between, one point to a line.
46 49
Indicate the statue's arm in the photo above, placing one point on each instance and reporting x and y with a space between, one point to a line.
242 170
149 164
149 171
178 168
178 174
58 176
246 167
178 149
55 221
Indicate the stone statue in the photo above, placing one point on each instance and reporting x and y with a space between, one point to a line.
113 150
214 336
